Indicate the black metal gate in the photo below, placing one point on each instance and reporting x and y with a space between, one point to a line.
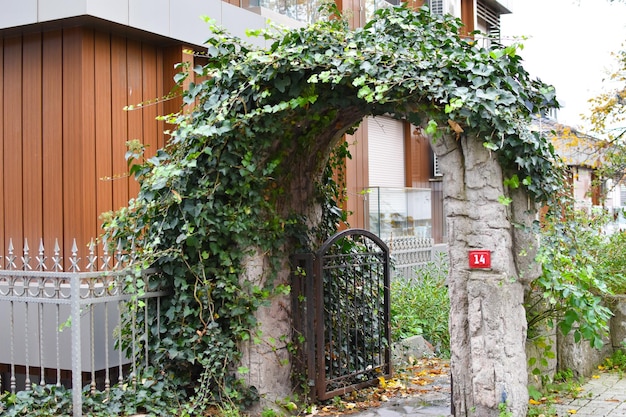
341 312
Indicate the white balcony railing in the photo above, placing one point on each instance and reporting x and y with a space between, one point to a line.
63 327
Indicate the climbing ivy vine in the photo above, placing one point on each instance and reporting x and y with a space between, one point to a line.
248 162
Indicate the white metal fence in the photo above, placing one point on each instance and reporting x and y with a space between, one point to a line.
62 327
409 253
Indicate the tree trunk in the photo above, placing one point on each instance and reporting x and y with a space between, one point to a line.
487 318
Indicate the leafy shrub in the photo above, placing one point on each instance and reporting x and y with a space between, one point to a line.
571 289
152 395
421 306
617 360
613 263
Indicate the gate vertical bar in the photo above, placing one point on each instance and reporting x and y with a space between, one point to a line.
320 362
77 400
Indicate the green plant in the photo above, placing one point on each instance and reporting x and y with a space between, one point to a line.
421 306
617 360
612 262
545 350
268 412
504 410
570 292
152 394
543 402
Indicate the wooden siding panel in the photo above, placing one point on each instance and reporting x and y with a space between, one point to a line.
63 130
104 160
119 120
172 56
72 140
52 123
12 158
160 109
135 98
357 177
2 194
32 148
419 157
150 93
89 215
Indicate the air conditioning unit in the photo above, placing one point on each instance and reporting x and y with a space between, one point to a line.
441 7
436 6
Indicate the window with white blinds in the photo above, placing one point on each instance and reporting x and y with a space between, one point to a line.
386 152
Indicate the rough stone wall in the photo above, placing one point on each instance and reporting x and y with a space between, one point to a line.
618 323
487 318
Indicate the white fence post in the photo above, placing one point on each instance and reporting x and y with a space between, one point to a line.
77 383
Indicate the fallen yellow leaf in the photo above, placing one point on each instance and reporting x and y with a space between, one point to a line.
534 402
572 411
595 376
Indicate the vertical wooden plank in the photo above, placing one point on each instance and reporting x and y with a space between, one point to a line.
357 177
468 16
89 216
72 140
160 93
150 94
135 98
52 123
119 122
417 153
171 56
32 131
104 164
3 238
12 174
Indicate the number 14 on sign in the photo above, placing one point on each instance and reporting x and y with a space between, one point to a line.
480 259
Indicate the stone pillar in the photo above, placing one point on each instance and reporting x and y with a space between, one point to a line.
487 317
265 355
618 323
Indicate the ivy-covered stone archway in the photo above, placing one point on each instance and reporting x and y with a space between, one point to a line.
246 175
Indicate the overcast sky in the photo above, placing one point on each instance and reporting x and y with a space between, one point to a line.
569 45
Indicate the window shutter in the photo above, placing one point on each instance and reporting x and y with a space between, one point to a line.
386 152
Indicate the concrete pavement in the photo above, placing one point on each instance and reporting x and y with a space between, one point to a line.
602 396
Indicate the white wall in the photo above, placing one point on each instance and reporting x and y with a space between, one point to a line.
176 19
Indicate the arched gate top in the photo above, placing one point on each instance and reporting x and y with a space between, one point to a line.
352 232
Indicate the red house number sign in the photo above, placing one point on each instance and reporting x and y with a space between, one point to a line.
480 259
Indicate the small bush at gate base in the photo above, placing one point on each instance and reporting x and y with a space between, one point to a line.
421 307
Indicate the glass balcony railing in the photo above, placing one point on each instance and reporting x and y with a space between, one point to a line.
400 211
306 11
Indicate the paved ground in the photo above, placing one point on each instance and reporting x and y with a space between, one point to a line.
601 397
604 396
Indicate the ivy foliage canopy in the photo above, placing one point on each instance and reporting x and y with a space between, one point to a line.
263 123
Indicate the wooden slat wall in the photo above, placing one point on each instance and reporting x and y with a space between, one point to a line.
357 177
2 105
134 97
32 139
103 108
12 158
72 106
52 117
64 131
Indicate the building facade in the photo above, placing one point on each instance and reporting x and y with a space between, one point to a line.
68 70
